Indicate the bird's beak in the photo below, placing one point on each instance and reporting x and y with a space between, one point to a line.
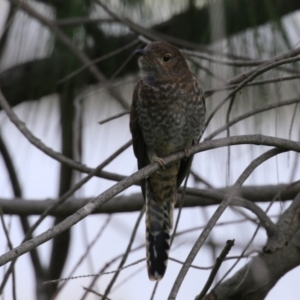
140 52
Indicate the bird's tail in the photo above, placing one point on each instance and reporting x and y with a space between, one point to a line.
159 221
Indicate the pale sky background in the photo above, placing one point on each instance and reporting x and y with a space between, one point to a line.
39 178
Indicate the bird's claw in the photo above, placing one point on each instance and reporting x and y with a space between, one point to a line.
159 160
187 151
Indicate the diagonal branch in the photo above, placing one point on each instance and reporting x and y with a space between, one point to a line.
217 214
106 196
47 150
220 259
66 41
252 113
38 268
256 279
125 256
244 80
236 140
271 62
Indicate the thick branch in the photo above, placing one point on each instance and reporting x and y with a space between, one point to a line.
217 214
110 193
255 280
134 202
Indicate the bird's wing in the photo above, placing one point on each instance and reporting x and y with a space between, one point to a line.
185 164
139 146
184 168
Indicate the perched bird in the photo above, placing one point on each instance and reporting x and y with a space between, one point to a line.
167 115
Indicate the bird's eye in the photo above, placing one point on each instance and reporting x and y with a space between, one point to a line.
167 57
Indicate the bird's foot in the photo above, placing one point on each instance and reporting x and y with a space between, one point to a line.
158 160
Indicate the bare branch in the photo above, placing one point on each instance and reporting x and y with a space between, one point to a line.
16 187
238 201
134 202
95 275
243 82
88 248
97 60
44 148
254 280
253 83
60 201
246 139
125 183
126 253
114 117
261 215
82 21
270 62
216 268
65 40
252 113
217 214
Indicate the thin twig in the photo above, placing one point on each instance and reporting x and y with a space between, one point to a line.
10 246
154 290
6 232
295 165
192 266
214 271
60 201
198 178
88 248
95 275
238 201
16 187
129 277
217 214
197 228
44 148
97 60
5 31
252 113
265 221
285 145
79 184
228 134
155 36
181 203
208 71
252 238
66 41
81 21
232 63
114 117
270 62
258 71
94 292
108 264
123 65
293 119
127 251
253 83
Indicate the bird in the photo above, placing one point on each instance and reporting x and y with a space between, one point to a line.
167 115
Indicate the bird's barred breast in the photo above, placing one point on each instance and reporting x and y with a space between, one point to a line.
171 115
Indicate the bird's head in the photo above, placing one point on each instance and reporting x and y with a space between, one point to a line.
161 60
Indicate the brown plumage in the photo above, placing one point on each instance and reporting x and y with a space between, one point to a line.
167 115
